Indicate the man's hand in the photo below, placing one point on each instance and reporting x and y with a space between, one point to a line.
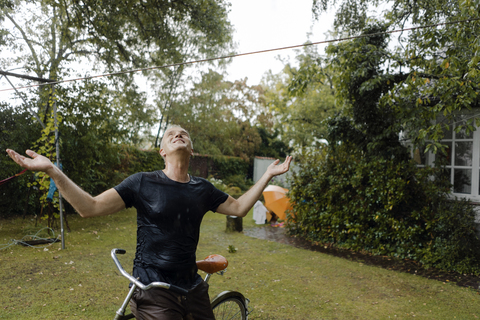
276 169
35 163
242 205
107 202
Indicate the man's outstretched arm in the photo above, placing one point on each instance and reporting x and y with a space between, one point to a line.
242 205
107 202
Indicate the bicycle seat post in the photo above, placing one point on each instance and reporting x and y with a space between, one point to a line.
207 277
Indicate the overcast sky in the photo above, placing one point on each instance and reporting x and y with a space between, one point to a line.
268 24
261 25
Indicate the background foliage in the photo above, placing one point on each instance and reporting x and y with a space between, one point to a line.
300 98
106 166
382 207
366 193
16 130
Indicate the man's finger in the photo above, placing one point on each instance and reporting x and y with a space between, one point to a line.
12 154
31 153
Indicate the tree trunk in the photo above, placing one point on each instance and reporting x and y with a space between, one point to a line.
234 224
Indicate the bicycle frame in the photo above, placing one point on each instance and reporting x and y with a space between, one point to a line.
212 264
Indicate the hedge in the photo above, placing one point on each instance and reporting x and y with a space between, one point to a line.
104 168
384 207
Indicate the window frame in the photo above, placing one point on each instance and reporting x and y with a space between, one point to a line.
430 157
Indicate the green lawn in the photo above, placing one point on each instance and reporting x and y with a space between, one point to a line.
282 282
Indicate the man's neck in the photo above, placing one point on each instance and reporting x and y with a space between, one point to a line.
177 169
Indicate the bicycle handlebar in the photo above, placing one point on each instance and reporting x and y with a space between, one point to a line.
138 283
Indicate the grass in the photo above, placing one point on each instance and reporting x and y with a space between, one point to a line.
282 282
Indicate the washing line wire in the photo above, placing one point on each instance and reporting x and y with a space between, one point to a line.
242 54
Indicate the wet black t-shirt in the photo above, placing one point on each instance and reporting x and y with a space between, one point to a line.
169 214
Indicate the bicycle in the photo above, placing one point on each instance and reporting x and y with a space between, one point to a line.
226 305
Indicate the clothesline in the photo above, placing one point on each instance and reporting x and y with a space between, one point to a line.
241 54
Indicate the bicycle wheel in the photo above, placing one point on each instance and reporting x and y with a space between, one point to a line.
229 306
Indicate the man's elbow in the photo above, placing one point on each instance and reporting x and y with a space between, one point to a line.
85 214
91 211
243 214
240 211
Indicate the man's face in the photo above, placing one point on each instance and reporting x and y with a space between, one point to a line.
176 138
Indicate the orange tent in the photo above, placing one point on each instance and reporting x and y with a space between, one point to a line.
277 201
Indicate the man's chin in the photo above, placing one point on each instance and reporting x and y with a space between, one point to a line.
181 148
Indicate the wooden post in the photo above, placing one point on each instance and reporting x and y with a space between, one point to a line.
234 224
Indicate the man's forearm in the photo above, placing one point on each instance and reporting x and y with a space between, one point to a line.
241 206
78 198
248 199
86 205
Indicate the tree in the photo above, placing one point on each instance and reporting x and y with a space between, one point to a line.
118 34
46 37
435 71
56 39
92 127
271 145
222 116
167 83
16 130
301 98
366 194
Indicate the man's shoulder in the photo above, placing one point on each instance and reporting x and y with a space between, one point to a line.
156 173
140 176
148 174
196 179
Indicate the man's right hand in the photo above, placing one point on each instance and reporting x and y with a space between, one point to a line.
107 202
37 162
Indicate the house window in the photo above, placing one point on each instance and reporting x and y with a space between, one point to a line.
462 160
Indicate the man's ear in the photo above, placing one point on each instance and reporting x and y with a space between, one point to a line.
191 152
162 153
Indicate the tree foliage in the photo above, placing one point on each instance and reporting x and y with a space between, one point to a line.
366 193
222 116
92 127
271 145
435 70
53 39
361 82
115 33
16 132
301 99
59 39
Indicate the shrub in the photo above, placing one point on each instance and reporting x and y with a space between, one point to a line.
17 129
384 207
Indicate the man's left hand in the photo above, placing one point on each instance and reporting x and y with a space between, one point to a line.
276 169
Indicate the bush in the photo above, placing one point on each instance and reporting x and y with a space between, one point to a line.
97 166
384 207
240 181
230 166
17 129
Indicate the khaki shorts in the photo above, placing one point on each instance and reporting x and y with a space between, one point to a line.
163 304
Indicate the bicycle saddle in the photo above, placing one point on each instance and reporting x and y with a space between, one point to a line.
213 263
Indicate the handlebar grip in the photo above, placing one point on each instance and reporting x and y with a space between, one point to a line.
120 251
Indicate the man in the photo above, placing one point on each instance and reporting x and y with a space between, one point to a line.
170 206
